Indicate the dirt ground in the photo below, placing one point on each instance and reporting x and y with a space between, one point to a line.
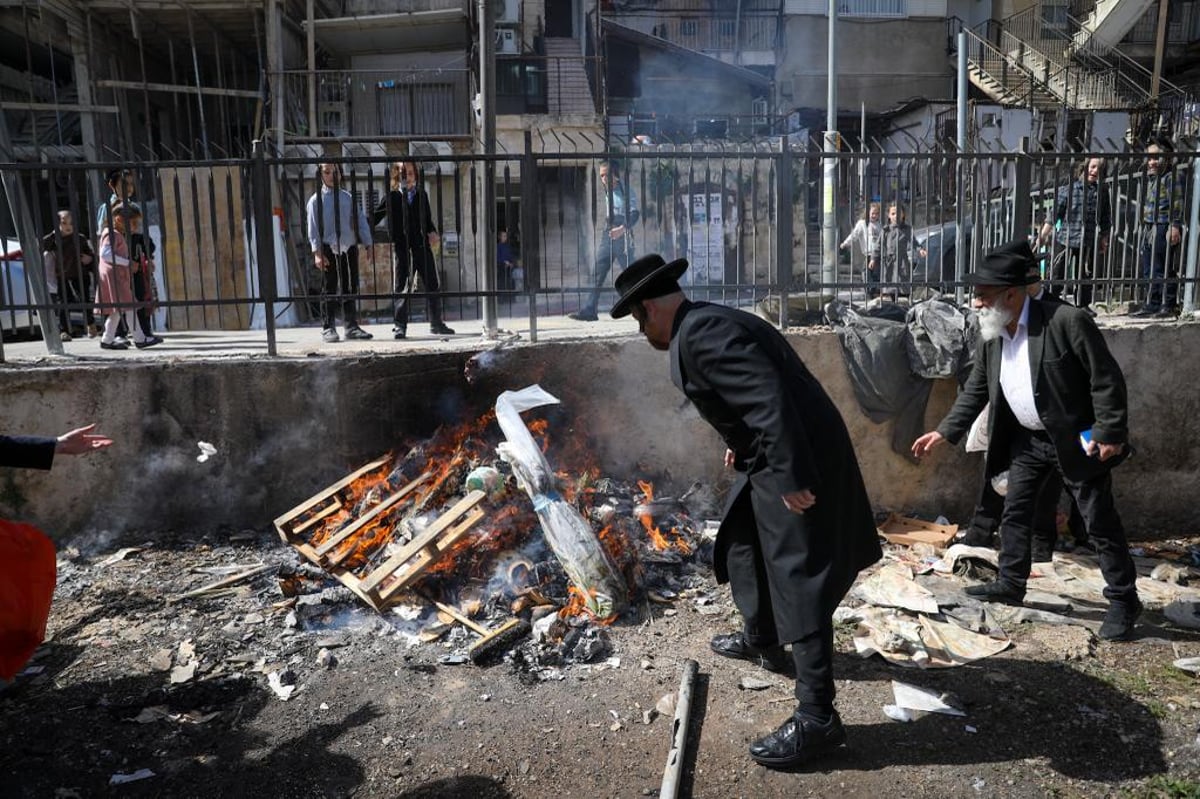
129 680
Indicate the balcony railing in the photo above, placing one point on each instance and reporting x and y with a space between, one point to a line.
708 34
421 103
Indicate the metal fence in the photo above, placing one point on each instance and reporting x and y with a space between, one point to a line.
749 220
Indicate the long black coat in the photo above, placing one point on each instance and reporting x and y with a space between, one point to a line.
27 452
787 435
1077 385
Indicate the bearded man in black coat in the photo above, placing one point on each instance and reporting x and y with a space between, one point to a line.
1059 404
798 525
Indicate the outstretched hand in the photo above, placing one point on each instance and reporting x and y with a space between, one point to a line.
81 441
925 444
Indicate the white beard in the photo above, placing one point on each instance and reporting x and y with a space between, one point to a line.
992 322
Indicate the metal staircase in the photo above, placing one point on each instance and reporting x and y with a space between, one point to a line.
1003 77
1107 23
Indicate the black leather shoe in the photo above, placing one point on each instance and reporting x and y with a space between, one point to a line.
440 329
1120 619
771 658
1041 555
996 591
583 316
356 333
399 332
798 740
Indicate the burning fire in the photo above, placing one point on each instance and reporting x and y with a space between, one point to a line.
660 541
392 501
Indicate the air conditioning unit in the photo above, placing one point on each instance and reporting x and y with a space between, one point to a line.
506 41
508 11
425 149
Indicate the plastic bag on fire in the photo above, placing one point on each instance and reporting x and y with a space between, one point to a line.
569 535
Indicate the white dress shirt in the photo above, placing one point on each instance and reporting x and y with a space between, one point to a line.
1016 379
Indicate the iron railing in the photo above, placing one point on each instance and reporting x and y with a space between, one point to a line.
420 103
747 218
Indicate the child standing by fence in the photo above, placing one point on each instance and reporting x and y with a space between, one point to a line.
868 234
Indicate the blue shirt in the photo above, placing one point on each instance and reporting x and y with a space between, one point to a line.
331 221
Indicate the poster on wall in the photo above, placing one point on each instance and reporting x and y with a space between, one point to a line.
707 251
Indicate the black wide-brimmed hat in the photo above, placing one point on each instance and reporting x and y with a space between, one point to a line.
1011 264
646 278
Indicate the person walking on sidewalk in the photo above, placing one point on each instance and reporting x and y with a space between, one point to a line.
336 228
414 235
616 240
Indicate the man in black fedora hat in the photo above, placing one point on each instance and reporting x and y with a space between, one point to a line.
1058 403
798 525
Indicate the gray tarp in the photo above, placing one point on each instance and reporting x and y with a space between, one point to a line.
891 362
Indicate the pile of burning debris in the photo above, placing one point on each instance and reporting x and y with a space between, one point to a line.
473 528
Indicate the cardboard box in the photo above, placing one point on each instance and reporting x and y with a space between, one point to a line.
899 529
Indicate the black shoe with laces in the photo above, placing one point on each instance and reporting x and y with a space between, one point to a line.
440 329
734 645
399 332
798 740
356 333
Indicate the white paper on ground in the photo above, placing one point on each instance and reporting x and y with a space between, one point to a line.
912 697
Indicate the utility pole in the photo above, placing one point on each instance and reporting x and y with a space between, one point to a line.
487 102
829 182
960 234
1160 48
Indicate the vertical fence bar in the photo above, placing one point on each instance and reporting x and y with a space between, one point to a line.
783 236
264 239
530 258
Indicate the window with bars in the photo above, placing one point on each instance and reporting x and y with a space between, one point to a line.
417 109
873 8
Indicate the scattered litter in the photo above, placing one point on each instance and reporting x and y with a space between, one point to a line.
207 450
1190 665
452 660
181 674
282 690
31 671
912 702
326 659
970 729
121 779
1185 613
149 715
754 684
666 704
898 529
648 715
120 555
923 642
1170 573
893 587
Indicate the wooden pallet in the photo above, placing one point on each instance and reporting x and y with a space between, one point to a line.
381 585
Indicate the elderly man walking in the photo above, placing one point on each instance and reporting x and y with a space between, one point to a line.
1058 404
798 525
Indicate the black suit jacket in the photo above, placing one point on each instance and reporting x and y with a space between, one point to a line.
1077 385
787 435
27 452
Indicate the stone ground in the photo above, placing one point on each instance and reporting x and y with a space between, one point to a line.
129 679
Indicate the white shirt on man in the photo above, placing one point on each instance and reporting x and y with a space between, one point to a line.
1016 379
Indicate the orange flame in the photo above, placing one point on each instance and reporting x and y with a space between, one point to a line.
577 605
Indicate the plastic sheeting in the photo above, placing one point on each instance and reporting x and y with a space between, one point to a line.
569 535
892 363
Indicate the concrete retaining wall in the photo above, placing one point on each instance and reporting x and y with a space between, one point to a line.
286 428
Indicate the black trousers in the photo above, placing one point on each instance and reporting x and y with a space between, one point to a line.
813 654
406 262
1032 457
341 277
986 520
73 290
141 293
1077 263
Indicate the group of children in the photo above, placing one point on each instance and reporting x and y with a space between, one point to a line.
888 246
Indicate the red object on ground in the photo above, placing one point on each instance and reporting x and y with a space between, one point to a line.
27 577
